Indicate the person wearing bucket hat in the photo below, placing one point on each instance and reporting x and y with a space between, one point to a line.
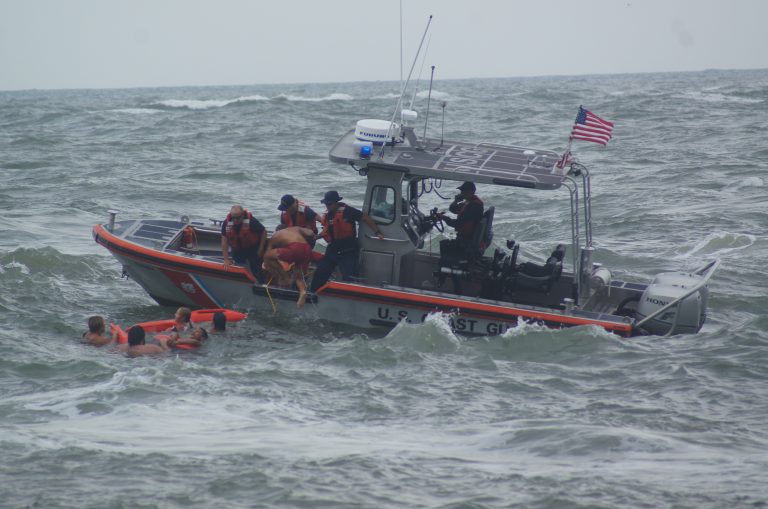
340 232
296 213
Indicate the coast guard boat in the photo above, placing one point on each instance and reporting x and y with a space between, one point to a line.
179 262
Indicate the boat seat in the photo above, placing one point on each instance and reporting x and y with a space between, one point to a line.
483 235
458 259
532 276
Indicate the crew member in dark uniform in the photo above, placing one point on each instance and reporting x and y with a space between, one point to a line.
468 208
247 238
296 213
340 233
469 211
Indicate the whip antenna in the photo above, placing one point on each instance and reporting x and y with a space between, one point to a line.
421 70
443 104
429 100
401 44
402 90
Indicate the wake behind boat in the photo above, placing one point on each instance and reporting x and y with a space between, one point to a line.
485 290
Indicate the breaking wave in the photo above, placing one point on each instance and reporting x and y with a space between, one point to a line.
716 97
720 244
198 104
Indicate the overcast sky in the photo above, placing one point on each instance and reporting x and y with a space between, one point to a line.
134 43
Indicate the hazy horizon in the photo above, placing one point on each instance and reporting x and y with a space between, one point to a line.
90 44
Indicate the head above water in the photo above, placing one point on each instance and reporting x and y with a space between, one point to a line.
96 324
199 334
219 321
136 336
183 315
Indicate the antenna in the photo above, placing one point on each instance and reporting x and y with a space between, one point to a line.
423 61
429 99
402 90
401 44
443 104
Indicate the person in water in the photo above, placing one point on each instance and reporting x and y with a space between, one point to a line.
340 233
247 238
95 335
195 339
137 343
291 246
182 322
219 322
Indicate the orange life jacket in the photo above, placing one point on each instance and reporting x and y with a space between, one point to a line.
188 237
244 238
301 218
339 228
467 229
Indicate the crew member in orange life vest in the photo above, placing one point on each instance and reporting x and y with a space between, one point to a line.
247 237
469 211
341 235
296 213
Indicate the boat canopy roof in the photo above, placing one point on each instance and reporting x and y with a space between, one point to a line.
487 163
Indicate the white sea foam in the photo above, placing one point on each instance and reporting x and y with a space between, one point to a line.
751 182
331 97
717 98
719 244
522 328
136 111
14 265
197 104
421 94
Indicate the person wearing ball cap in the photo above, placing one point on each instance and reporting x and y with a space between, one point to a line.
296 213
468 208
340 232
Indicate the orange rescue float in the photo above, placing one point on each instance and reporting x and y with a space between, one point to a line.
198 316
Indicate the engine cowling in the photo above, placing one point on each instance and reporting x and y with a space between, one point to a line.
665 288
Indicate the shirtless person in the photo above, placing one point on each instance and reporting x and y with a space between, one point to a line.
195 339
291 245
95 335
137 343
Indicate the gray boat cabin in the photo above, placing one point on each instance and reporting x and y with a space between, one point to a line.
395 171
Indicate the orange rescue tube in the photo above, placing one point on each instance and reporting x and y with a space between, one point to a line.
122 336
206 315
179 346
157 325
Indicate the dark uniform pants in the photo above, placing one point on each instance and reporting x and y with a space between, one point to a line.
346 260
250 255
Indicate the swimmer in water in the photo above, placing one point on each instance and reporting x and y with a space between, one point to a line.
95 335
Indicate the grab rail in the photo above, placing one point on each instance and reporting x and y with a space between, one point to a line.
374 237
706 272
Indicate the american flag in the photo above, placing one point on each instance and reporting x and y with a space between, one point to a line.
590 127
565 160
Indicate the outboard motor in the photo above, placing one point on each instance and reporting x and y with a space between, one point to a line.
665 288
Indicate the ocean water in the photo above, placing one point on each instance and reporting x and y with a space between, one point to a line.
287 413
